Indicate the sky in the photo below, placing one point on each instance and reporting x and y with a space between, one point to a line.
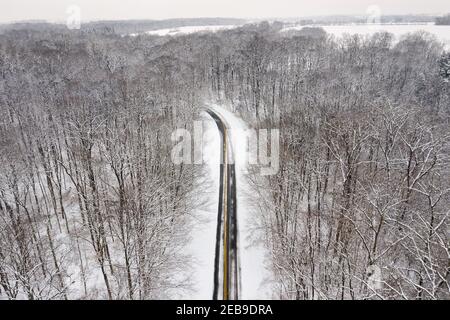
59 10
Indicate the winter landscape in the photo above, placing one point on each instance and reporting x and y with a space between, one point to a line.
298 153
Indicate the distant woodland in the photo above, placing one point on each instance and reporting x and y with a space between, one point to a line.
444 21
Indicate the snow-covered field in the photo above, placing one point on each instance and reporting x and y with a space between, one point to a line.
441 32
187 30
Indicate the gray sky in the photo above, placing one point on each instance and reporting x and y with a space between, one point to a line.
55 10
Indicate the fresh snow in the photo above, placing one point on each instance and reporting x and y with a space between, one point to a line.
203 237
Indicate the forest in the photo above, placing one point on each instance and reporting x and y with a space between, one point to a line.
444 20
91 207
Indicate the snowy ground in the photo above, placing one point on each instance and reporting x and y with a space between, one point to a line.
187 30
441 32
203 236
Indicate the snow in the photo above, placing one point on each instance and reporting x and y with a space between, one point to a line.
441 32
187 30
203 237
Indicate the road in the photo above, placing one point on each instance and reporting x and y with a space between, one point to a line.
226 260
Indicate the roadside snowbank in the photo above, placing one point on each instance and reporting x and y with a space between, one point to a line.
203 236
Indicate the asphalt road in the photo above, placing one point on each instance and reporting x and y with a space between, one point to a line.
226 260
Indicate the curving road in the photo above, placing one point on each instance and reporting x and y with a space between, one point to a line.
226 260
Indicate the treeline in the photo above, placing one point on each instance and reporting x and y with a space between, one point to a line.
123 27
140 26
443 21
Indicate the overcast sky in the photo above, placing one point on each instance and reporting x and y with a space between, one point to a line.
55 10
